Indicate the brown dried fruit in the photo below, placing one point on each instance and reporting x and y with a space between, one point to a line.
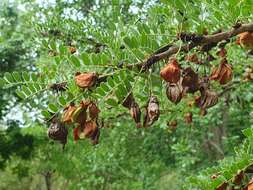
152 112
95 136
128 101
57 131
86 80
190 80
222 186
246 40
238 178
174 92
80 115
68 113
89 129
207 99
193 58
222 52
250 185
93 111
136 114
171 72
188 117
72 49
223 74
76 133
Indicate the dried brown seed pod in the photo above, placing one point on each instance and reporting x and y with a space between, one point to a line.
76 132
207 99
193 58
174 92
95 136
89 128
57 131
171 72
136 114
128 101
222 52
188 117
152 111
246 40
223 74
93 111
72 49
190 82
80 115
68 113
85 80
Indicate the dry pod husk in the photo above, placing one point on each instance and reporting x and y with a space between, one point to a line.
95 136
136 114
223 74
93 111
249 185
152 111
68 113
190 82
245 40
72 49
89 128
174 92
85 80
188 117
80 115
171 72
193 58
128 101
57 131
207 99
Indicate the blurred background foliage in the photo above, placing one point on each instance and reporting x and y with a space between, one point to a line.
126 158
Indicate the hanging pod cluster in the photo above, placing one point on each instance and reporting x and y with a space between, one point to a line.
151 114
84 116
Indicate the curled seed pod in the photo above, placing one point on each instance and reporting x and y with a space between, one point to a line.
80 115
59 87
223 74
188 117
89 128
152 111
190 80
68 113
93 111
128 101
238 178
57 131
174 92
193 58
246 40
136 114
171 72
85 80
72 49
207 99
172 125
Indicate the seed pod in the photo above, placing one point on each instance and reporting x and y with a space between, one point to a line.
72 49
80 115
85 80
93 111
207 99
174 92
135 113
128 101
76 133
171 72
172 125
222 52
89 128
223 74
152 111
246 40
190 82
57 131
238 178
193 58
95 136
68 113
188 117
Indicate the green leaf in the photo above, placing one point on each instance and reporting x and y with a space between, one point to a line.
37 86
112 102
34 77
128 42
26 90
53 45
100 91
62 49
8 77
52 107
46 114
32 88
111 82
2 82
248 132
62 101
85 58
16 76
75 61
104 87
44 43
20 94
26 76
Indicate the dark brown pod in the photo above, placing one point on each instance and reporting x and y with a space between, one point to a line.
68 113
72 49
57 131
93 110
223 73
95 136
190 82
89 128
128 101
80 114
171 72
207 99
85 80
174 92
135 113
188 117
152 111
